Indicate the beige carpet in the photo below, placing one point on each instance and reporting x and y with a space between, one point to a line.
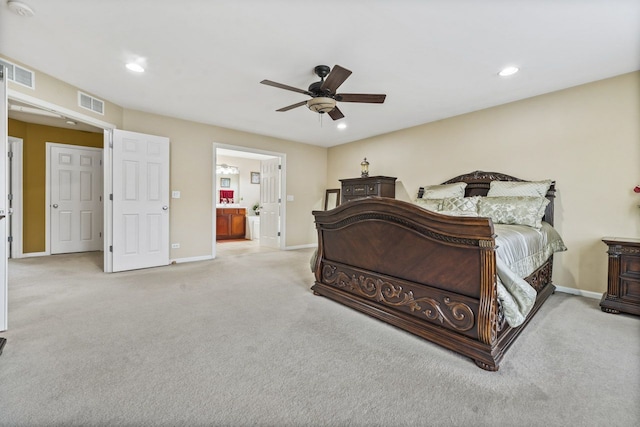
242 341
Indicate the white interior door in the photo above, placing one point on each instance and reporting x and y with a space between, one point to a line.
140 201
75 201
270 200
4 300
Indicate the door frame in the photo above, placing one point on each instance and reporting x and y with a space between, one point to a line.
106 160
283 188
15 189
47 189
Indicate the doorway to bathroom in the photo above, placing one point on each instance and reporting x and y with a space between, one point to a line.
249 213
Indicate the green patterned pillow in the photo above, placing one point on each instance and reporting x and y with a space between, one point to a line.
444 191
430 204
522 189
461 204
514 210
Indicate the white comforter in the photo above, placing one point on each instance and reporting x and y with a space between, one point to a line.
521 250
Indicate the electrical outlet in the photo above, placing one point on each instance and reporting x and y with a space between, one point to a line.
175 246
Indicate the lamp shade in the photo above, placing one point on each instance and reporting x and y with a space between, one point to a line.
321 104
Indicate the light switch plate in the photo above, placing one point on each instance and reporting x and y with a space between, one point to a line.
289 197
175 194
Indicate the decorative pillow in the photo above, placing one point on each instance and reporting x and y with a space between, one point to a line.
459 213
461 204
522 189
514 210
444 191
430 204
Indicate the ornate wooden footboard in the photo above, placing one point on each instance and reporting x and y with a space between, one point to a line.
429 274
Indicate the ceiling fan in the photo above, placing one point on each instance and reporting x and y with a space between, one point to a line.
323 93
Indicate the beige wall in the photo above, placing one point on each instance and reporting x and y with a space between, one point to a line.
192 173
192 165
52 90
248 194
586 138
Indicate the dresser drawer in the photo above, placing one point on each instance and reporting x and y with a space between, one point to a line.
630 265
381 186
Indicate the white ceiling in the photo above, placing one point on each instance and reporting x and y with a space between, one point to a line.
433 59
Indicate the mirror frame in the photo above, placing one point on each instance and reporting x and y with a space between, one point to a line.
328 206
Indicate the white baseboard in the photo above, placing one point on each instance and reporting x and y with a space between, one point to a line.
293 248
34 254
191 259
579 292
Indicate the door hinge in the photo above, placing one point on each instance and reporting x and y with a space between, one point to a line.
10 239
10 197
100 233
279 166
111 196
110 248
10 154
278 234
279 200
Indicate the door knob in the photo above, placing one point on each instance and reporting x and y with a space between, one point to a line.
164 208
55 206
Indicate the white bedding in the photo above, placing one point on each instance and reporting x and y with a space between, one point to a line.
520 251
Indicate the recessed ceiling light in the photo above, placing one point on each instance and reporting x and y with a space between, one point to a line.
135 67
342 126
508 71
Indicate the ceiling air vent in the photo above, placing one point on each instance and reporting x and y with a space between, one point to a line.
19 75
90 103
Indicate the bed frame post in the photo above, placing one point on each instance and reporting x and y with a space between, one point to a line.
488 307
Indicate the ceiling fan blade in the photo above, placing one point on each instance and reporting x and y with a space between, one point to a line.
336 77
335 114
281 86
361 97
291 107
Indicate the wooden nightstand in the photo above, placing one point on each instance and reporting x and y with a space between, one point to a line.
355 188
623 289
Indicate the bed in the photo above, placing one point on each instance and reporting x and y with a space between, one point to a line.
433 274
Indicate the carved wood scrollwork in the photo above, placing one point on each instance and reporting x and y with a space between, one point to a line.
539 278
457 315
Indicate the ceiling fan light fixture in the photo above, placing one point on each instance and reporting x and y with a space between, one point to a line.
321 104
20 8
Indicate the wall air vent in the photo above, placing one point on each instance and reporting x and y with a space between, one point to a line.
90 103
19 75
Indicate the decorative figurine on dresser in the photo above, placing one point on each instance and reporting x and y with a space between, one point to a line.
623 289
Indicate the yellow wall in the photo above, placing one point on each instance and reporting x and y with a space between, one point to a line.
34 139
586 138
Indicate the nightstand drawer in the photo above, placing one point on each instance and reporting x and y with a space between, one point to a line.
623 287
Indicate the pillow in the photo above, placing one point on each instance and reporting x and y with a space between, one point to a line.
523 189
514 210
461 204
430 204
444 191
459 213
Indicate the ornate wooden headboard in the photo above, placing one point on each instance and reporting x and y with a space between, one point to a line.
478 184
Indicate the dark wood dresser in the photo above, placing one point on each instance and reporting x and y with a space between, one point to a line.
623 289
355 188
